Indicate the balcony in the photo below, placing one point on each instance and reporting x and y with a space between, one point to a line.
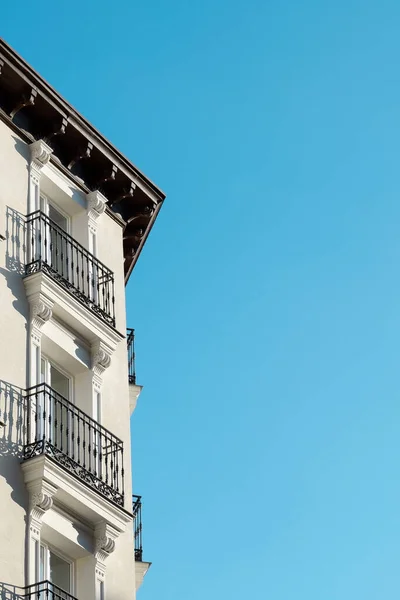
134 389
130 340
44 590
52 251
141 567
137 523
61 432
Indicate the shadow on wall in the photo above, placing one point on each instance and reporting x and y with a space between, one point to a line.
15 258
15 241
13 414
21 147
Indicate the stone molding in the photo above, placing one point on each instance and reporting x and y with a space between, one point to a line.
40 156
41 309
96 203
105 536
101 358
40 501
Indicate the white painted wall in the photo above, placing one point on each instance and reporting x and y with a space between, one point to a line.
13 355
14 316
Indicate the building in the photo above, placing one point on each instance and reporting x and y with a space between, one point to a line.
74 216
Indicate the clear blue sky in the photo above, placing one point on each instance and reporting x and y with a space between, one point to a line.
266 443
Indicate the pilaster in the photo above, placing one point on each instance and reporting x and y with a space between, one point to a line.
40 500
40 153
41 310
101 358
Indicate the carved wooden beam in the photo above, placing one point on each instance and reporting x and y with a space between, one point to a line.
83 153
57 130
26 101
135 236
127 192
111 177
145 213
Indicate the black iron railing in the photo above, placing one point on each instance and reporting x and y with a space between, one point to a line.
130 340
45 590
137 524
63 432
51 250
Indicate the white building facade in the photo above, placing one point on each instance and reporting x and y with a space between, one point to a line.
74 215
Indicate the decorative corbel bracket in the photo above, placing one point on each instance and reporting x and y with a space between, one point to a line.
96 205
58 129
145 213
83 153
40 156
126 192
105 536
40 501
41 309
101 358
27 100
111 177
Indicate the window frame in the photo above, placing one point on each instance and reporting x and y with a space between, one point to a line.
45 202
51 363
50 548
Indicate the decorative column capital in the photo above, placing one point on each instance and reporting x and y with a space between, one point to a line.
101 358
41 312
105 536
40 155
40 501
96 205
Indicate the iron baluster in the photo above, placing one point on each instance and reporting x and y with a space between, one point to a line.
76 441
130 340
57 253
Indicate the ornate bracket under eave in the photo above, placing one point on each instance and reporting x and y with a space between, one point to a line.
57 130
40 155
26 100
105 536
82 154
40 501
96 205
101 358
41 311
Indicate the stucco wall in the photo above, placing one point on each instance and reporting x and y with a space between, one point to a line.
14 314
13 354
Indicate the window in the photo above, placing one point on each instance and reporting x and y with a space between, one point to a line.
57 217
56 250
54 417
56 569
55 378
54 213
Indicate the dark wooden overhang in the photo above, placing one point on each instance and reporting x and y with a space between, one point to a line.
36 111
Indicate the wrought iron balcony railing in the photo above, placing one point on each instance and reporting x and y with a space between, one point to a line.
44 590
137 524
67 435
51 250
130 340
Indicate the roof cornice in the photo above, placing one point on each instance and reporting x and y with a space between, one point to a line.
36 111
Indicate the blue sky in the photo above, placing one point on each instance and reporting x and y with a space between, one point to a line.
266 303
